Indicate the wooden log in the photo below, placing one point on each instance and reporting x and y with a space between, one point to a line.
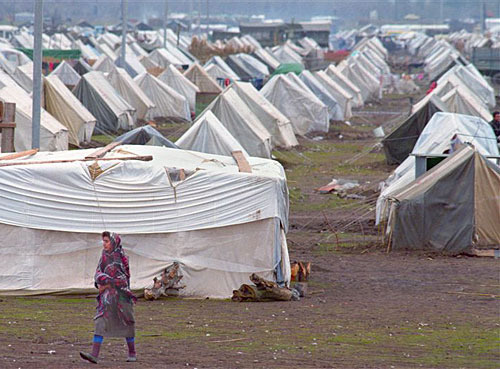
18 155
140 158
262 291
103 150
169 282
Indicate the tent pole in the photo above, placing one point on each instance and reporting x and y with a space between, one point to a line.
124 33
37 75
165 19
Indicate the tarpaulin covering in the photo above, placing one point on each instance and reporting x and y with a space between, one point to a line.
53 214
54 54
66 74
200 78
341 95
334 110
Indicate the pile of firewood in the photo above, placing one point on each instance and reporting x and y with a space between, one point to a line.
168 284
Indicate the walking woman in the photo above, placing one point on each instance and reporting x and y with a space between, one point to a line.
115 315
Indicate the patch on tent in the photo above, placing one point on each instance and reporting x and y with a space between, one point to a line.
95 170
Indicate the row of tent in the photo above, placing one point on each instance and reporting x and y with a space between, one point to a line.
423 212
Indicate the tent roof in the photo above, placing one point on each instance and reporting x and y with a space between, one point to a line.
66 74
209 135
200 78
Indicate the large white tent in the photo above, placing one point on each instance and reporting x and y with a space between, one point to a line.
343 97
346 84
168 102
161 218
334 110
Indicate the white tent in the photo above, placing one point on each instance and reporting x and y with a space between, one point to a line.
334 110
343 97
132 64
209 135
163 58
346 84
242 123
306 112
366 82
161 219
105 103
66 74
272 119
168 102
53 135
267 58
132 93
65 107
435 139
176 80
284 54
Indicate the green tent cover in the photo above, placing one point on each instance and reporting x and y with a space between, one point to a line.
289 67
54 53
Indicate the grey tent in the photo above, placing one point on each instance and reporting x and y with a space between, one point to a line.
453 207
400 142
103 101
145 135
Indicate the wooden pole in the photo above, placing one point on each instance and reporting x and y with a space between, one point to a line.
8 126
140 158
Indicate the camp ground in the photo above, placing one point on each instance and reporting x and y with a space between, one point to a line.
284 185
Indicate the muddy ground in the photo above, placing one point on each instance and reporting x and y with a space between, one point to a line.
365 308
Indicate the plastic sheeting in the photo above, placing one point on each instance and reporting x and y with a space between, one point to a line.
104 64
306 112
206 222
23 75
168 102
66 74
242 123
209 135
435 139
175 79
145 135
65 107
106 105
53 135
132 93
267 58
334 109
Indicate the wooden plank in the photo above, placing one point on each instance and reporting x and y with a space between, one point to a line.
243 165
19 154
483 253
8 126
140 158
103 150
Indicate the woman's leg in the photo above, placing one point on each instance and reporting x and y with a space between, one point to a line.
96 346
131 349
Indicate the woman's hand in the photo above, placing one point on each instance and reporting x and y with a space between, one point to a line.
103 288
